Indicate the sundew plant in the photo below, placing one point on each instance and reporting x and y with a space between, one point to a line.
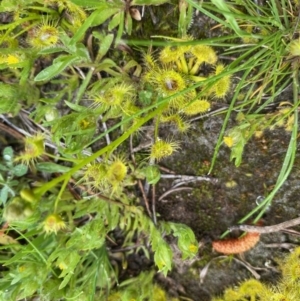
84 90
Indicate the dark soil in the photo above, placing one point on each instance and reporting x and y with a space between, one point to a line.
209 209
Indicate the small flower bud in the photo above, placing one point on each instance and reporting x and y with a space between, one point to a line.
34 148
53 223
43 36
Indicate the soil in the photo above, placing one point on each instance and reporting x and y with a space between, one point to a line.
209 209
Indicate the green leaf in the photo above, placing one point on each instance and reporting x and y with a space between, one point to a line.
4 195
101 15
3 168
163 257
106 64
75 107
128 23
225 10
187 242
50 167
66 40
149 2
82 52
9 5
69 263
8 153
105 45
83 28
96 18
20 170
88 237
152 174
85 3
56 68
115 21
52 50
237 152
9 98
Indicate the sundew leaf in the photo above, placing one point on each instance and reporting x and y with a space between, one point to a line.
3 168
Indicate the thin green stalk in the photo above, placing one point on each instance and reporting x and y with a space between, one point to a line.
34 248
157 121
230 109
84 85
220 6
62 189
211 41
285 14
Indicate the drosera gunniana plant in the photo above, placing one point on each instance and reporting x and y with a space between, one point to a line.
176 72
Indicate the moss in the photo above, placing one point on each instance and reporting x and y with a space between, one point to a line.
288 288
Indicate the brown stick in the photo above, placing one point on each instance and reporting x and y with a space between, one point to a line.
267 229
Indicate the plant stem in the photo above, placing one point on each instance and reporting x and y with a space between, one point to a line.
84 85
